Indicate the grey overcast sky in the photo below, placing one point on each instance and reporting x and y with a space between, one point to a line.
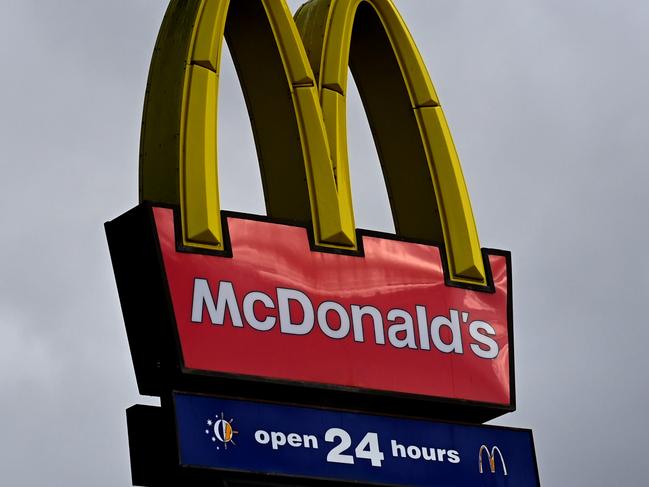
549 107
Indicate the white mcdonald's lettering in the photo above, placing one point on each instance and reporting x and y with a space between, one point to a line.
294 76
298 314
491 457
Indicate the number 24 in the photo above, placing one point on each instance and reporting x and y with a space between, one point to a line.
367 449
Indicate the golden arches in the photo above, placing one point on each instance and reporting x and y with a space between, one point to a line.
491 457
297 108
179 158
425 183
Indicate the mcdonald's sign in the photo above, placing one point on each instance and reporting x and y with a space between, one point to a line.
299 303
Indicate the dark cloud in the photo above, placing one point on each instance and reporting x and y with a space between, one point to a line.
547 102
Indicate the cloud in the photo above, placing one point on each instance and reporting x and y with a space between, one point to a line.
547 102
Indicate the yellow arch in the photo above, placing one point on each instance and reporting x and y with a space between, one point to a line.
178 160
298 120
425 183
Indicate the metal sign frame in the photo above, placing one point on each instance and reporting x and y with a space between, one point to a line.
154 442
155 345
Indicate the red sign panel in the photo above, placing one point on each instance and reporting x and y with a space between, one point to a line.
387 321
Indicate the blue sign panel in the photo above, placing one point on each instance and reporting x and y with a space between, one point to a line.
314 443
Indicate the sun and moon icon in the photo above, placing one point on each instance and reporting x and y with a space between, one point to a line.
221 430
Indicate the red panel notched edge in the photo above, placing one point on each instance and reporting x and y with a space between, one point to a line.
392 275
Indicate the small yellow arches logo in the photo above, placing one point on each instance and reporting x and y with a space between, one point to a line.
293 73
491 458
